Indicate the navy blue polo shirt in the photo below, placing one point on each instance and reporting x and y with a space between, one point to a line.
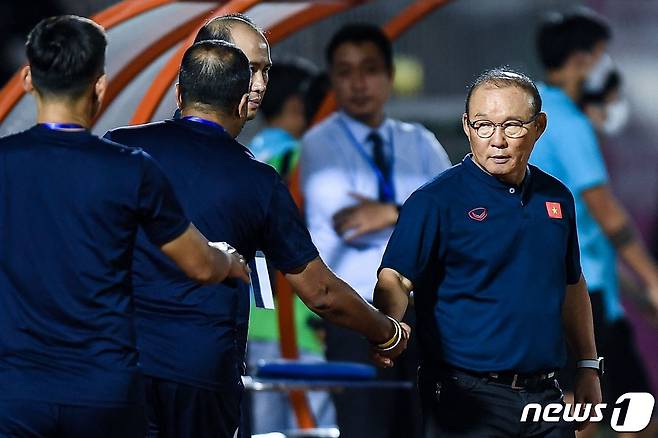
70 207
191 333
490 264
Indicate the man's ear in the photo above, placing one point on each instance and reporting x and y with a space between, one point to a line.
26 78
243 106
541 122
465 126
179 97
100 87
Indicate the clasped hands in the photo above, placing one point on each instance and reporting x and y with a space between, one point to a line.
383 354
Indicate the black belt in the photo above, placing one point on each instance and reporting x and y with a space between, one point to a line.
512 379
521 381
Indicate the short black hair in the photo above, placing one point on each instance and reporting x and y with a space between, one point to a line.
214 75
290 78
361 33
219 28
560 36
66 54
501 77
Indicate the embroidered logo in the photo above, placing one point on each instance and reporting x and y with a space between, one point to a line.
554 210
478 214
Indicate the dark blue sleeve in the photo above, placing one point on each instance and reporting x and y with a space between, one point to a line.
414 245
572 259
160 214
286 242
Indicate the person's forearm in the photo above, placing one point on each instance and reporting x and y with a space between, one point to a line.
616 224
577 321
335 301
190 251
344 307
636 256
391 297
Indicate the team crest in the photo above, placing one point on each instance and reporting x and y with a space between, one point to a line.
478 214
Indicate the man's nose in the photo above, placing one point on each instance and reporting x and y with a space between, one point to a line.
258 83
498 139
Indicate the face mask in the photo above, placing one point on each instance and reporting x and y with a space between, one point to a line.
597 76
617 114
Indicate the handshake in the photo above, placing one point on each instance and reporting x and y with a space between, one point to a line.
383 354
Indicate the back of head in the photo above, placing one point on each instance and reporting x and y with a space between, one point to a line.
560 36
291 79
219 28
214 76
66 54
502 77
360 33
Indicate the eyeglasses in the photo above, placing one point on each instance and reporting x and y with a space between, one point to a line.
512 128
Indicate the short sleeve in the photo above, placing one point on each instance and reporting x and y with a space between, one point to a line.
581 159
286 242
160 214
414 245
572 259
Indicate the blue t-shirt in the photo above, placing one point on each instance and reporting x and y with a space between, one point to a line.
490 264
569 151
188 332
71 205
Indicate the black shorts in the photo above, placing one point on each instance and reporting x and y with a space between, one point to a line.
175 410
624 367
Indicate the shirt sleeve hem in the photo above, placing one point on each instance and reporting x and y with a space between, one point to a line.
296 263
174 233
405 271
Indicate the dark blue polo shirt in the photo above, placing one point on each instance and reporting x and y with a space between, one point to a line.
70 207
490 263
188 332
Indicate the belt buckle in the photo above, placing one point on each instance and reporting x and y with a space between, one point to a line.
514 380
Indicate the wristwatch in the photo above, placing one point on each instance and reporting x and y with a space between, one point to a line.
596 364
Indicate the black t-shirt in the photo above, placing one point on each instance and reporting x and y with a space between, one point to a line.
188 332
70 207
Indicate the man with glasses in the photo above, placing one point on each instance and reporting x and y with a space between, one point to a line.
490 250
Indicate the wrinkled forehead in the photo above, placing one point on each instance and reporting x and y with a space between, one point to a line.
506 101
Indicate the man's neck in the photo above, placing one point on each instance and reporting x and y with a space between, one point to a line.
232 125
76 113
566 81
373 121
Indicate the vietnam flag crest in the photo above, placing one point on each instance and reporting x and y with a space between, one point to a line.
554 210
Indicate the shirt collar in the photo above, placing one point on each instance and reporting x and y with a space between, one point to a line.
361 131
491 180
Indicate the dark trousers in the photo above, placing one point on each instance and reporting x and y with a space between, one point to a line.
380 413
458 404
176 410
32 419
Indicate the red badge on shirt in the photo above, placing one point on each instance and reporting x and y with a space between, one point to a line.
554 210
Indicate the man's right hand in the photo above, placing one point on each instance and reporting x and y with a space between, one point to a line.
384 359
238 267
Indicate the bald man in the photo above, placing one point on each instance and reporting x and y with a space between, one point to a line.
243 32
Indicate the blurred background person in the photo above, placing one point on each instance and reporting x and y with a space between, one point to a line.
572 49
286 108
357 167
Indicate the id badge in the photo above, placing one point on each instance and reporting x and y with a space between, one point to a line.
260 285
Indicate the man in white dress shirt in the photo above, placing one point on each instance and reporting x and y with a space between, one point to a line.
357 168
